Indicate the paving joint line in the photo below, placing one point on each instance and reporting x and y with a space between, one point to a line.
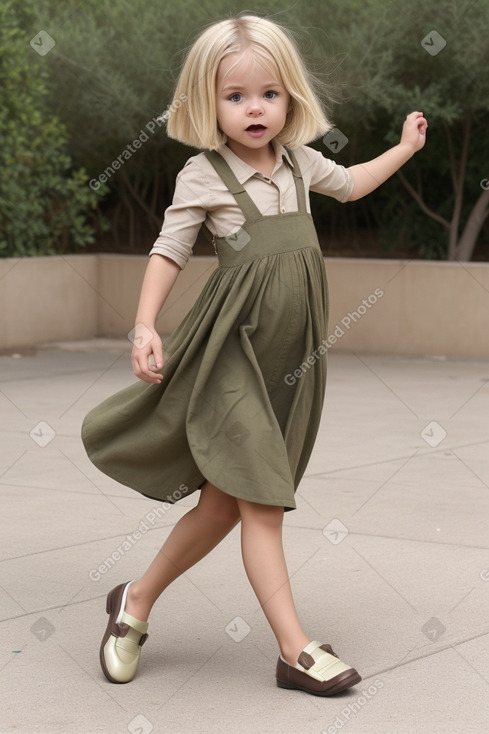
447 646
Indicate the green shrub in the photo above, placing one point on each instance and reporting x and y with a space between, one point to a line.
45 206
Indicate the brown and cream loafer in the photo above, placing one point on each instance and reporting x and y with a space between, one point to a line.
123 638
318 671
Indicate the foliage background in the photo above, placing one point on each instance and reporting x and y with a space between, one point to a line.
67 115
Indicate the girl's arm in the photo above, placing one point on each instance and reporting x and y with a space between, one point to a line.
159 278
368 176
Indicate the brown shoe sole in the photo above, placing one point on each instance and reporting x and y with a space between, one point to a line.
297 680
112 607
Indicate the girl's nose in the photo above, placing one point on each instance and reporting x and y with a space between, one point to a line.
255 106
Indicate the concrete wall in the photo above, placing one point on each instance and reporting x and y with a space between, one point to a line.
391 306
120 279
434 308
47 299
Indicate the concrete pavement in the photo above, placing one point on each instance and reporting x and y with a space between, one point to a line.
388 555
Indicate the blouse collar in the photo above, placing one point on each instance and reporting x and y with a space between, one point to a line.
243 171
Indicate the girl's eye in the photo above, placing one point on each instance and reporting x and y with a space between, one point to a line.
270 91
233 97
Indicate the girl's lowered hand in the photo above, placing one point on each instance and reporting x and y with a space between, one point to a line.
147 360
414 131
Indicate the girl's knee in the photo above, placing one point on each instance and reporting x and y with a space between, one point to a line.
221 507
267 515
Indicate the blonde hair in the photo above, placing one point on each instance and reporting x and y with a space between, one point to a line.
194 122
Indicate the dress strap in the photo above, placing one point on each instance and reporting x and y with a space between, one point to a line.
299 183
243 199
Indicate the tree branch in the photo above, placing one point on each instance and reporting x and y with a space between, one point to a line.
137 198
441 220
451 155
473 226
459 190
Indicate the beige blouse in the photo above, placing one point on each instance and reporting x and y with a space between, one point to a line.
201 196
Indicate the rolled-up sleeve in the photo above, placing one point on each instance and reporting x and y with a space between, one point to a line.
184 216
328 177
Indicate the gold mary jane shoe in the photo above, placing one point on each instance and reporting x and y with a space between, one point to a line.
318 671
123 638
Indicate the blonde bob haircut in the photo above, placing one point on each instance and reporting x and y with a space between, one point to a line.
194 121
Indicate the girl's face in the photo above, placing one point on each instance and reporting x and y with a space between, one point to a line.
251 103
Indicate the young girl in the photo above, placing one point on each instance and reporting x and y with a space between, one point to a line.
216 409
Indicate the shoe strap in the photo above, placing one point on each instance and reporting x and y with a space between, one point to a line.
316 661
136 624
312 647
315 645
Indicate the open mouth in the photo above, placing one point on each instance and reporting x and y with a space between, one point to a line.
255 128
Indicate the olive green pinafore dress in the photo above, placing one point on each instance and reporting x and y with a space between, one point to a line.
229 408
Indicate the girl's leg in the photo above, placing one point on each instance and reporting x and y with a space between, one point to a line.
194 535
264 562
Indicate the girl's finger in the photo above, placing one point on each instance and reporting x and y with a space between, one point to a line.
158 357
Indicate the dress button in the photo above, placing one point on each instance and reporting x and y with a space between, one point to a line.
283 210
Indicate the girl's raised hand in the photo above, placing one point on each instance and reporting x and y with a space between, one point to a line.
414 131
147 360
